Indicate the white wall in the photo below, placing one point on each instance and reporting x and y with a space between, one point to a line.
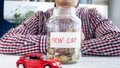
114 11
35 6
24 7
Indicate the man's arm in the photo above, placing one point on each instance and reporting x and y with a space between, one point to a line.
25 38
107 37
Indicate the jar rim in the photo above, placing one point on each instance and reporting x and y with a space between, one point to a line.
64 10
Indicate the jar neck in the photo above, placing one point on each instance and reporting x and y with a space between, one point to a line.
64 10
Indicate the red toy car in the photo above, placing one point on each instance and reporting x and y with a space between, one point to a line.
37 60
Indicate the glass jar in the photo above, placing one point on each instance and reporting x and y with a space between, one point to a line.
64 35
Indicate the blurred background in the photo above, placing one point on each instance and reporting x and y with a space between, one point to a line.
11 15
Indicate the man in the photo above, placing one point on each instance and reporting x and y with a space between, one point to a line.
102 38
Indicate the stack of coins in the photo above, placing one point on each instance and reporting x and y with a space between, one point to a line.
64 55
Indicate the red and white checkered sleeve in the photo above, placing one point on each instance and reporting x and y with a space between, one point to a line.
107 38
24 38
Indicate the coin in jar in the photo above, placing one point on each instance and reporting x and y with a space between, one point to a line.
70 30
66 50
48 42
51 51
57 58
63 59
60 50
71 50
74 57
50 56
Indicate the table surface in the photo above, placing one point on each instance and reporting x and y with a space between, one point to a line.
84 62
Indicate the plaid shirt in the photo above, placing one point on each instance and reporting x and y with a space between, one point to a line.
102 38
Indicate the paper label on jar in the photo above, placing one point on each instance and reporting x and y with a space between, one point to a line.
65 39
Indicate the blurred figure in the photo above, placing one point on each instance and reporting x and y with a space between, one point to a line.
102 37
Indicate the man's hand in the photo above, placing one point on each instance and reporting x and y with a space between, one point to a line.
82 36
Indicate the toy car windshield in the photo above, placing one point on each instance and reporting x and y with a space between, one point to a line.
44 57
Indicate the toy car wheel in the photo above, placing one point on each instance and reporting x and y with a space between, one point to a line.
47 66
21 66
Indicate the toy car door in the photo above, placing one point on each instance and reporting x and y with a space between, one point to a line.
34 62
